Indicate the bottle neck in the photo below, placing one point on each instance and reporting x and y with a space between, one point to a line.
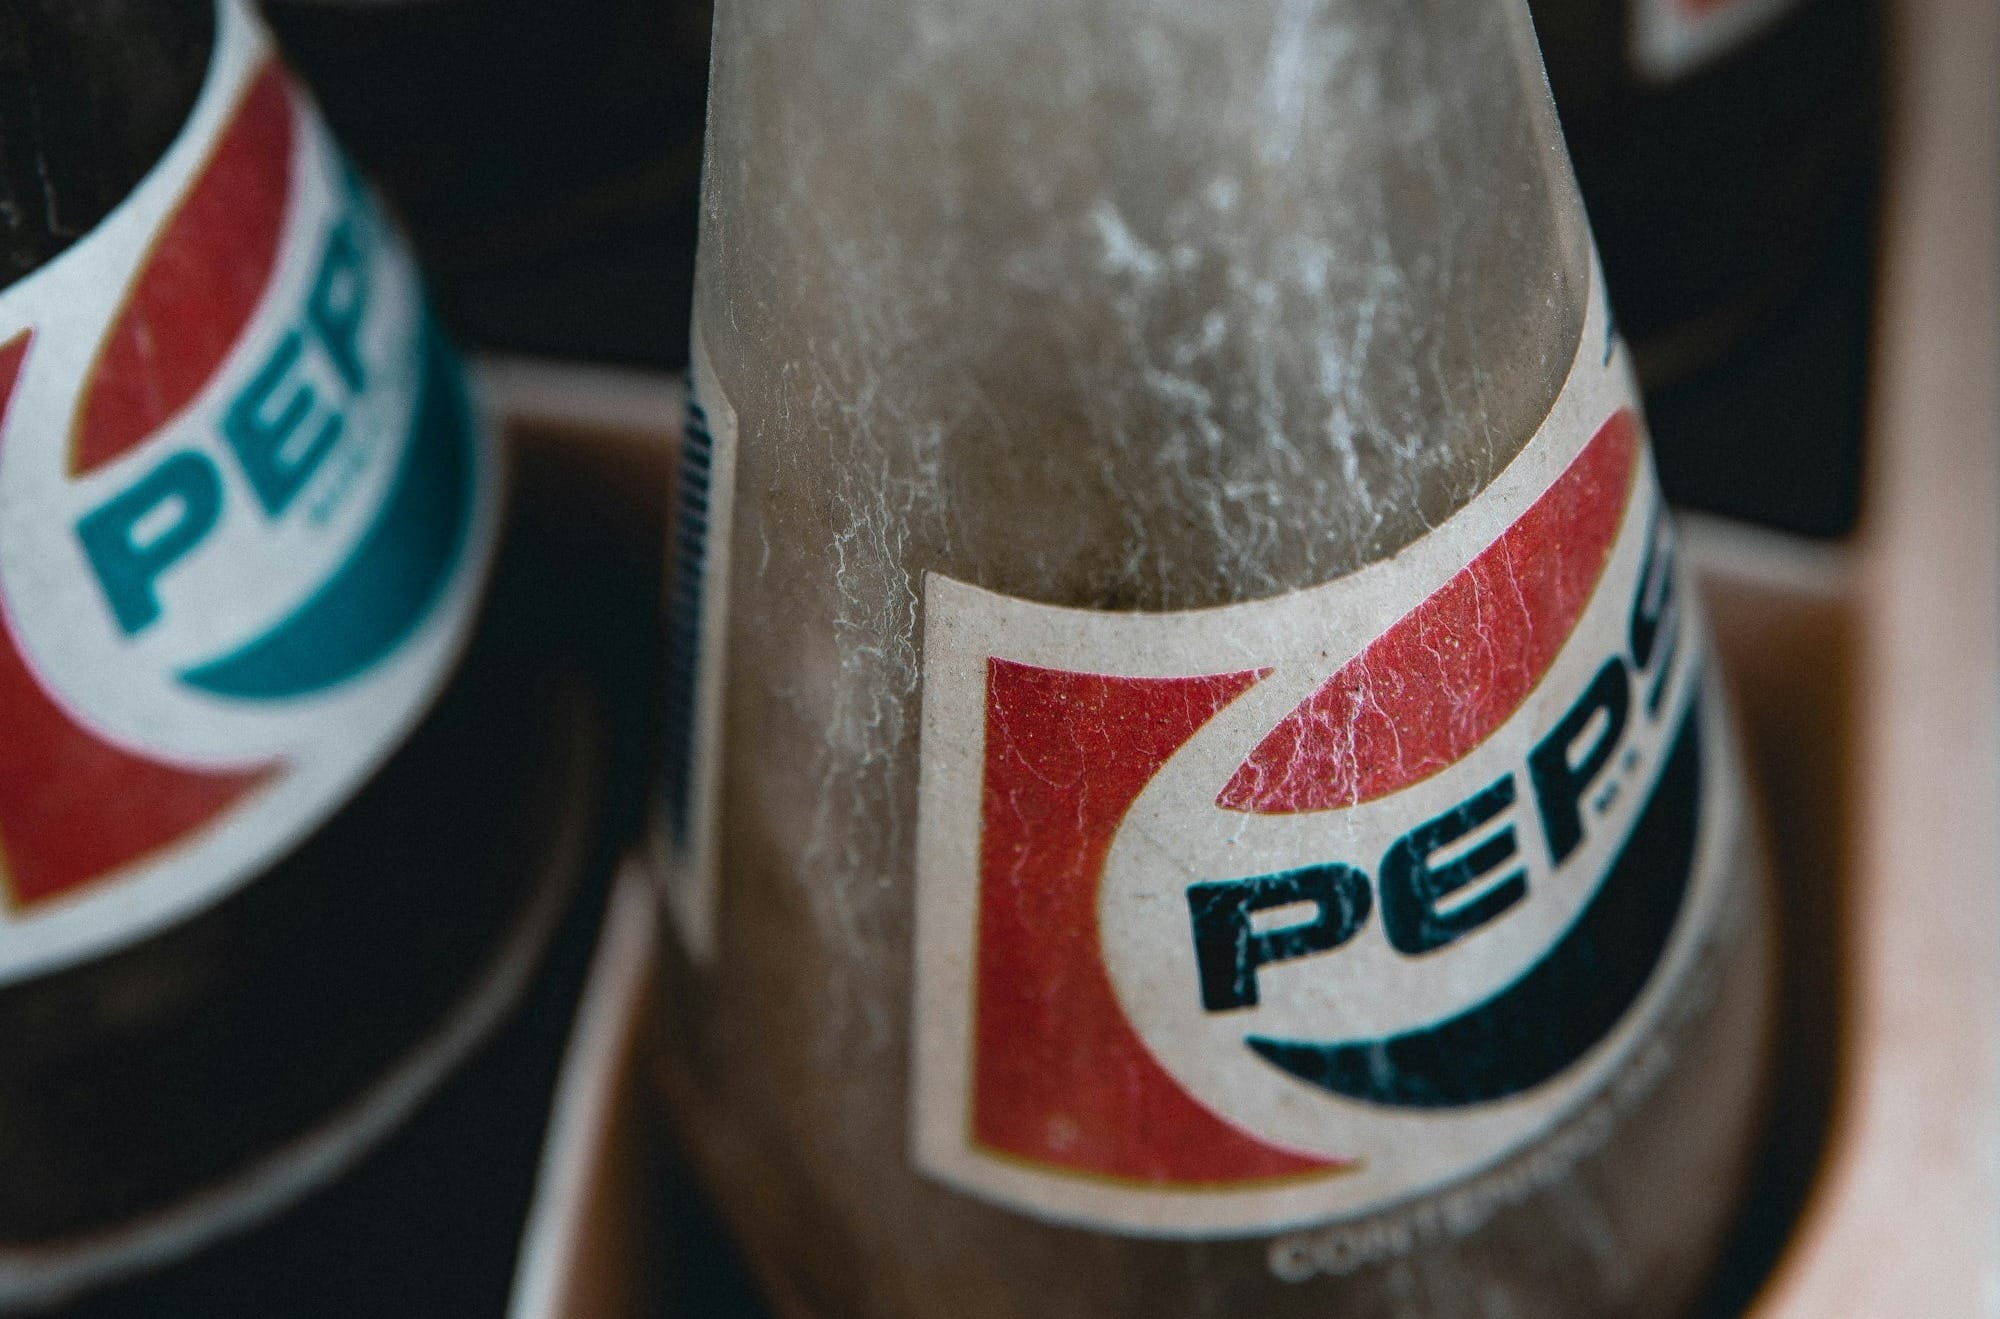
1138 271
91 94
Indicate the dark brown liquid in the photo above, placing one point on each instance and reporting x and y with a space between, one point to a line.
91 93
169 1065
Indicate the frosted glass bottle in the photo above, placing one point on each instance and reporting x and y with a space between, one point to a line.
1195 787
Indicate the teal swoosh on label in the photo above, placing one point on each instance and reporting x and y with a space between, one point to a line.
396 574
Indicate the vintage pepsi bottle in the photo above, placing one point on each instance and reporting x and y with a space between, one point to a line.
272 852
1200 787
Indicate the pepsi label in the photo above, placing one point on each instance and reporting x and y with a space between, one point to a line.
245 509
1285 912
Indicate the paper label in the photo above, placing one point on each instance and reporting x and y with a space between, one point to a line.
697 601
1672 38
1284 912
244 514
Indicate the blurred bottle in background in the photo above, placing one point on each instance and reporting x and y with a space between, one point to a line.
1728 154
288 808
1195 784
544 155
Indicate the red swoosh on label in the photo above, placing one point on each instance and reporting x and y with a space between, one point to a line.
73 807
1438 682
1060 1078
207 271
